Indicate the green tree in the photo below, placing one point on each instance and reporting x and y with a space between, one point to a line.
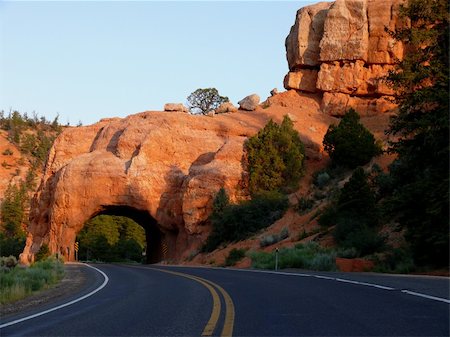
275 158
356 215
111 238
350 144
419 196
204 100
237 222
12 211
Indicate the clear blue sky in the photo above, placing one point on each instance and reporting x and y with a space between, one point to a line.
90 60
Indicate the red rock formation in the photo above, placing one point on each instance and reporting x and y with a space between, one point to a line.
161 169
342 50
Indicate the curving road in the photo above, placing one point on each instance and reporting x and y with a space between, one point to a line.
182 301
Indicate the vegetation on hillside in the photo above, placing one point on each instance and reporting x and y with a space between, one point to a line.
418 194
33 136
275 158
17 282
275 163
350 144
235 222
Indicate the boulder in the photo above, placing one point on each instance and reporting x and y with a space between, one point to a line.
175 107
274 92
226 107
249 103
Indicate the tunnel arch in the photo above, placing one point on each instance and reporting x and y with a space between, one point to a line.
158 241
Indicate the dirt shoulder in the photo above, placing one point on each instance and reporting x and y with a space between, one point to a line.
74 280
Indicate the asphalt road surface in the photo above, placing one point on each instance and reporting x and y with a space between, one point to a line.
182 301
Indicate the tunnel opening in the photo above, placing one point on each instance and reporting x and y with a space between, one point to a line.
153 242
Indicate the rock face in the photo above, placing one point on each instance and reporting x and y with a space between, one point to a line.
341 50
160 169
151 167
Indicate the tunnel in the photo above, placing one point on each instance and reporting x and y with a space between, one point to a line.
157 241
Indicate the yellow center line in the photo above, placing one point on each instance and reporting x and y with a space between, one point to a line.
212 323
228 325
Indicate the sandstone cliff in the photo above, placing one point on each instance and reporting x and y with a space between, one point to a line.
160 168
342 51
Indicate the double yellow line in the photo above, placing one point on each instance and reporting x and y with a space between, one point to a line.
228 324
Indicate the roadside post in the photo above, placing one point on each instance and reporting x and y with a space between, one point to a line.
76 246
276 259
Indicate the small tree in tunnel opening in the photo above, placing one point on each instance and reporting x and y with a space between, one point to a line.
111 238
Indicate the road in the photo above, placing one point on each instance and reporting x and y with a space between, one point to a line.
181 301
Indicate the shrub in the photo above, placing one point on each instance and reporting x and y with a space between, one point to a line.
238 222
321 179
305 256
234 256
8 262
328 216
11 245
275 158
43 253
8 152
350 144
271 239
304 204
20 282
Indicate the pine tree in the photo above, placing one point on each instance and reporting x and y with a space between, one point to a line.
275 158
420 174
350 144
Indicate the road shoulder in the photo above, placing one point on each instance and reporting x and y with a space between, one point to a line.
75 280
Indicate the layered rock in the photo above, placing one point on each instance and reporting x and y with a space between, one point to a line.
166 165
162 169
342 50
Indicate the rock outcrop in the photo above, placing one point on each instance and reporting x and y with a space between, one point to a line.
160 169
342 51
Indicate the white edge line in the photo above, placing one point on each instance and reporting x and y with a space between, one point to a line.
426 296
105 282
434 298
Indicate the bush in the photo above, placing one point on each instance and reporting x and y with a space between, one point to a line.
43 253
238 222
275 158
355 216
8 152
8 262
271 239
321 179
234 256
20 282
350 144
305 256
304 204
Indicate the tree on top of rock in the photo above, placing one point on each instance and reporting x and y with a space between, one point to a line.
204 100
350 144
